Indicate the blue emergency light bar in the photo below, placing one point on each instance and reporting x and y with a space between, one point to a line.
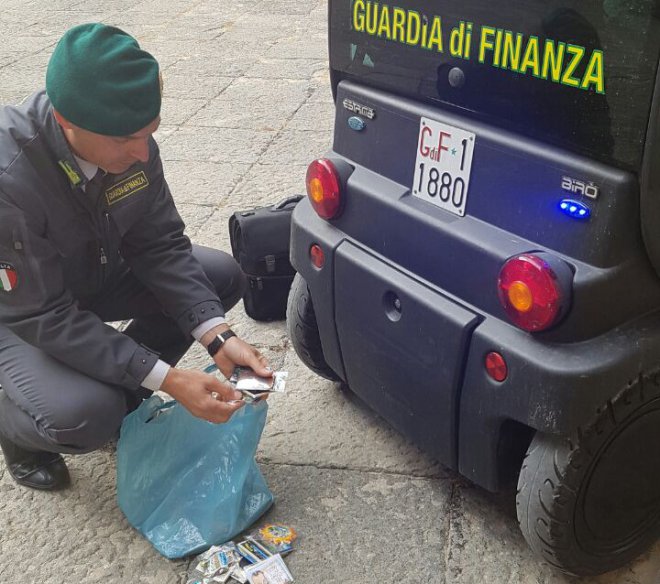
574 209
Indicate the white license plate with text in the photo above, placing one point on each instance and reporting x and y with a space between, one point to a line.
443 164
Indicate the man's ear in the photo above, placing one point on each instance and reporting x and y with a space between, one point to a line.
62 121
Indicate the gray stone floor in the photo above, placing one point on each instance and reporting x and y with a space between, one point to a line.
247 106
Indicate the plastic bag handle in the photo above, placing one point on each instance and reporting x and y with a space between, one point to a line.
154 412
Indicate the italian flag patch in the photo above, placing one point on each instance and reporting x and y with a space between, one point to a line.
8 277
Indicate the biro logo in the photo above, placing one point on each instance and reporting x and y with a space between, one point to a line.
578 187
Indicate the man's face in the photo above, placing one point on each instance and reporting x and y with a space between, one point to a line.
113 154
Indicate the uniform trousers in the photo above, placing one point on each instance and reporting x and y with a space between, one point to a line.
46 405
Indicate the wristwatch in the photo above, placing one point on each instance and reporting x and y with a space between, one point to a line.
216 344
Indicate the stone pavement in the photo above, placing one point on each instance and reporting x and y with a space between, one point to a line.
247 105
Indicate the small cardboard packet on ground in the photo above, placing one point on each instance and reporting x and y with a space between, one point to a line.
276 538
252 551
272 570
218 563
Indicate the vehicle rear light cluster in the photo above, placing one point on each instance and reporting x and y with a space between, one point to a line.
323 188
535 290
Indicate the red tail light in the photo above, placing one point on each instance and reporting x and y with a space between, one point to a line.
535 290
323 188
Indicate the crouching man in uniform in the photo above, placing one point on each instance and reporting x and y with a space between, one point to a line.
89 234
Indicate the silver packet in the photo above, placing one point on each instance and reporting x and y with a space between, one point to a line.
252 386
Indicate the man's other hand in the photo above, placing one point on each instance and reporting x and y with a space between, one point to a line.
195 391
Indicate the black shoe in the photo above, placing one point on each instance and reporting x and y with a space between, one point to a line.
37 470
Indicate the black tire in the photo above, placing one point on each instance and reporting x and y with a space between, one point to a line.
303 330
591 503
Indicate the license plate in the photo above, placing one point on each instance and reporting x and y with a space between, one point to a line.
443 164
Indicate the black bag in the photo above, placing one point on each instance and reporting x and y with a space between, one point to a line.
260 243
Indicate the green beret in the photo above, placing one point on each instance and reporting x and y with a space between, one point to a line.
99 79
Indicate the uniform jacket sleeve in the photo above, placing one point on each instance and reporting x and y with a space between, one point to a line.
160 256
39 309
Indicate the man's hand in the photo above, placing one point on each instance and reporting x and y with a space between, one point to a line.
193 389
237 352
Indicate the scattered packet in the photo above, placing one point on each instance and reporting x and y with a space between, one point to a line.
218 558
238 574
208 553
202 566
222 578
218 561
272 570
229 546
252 551
283 548
278 539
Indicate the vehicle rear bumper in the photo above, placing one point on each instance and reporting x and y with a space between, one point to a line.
424 371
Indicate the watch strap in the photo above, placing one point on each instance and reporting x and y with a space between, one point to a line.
216 344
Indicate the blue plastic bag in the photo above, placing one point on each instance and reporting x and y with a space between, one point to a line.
186 484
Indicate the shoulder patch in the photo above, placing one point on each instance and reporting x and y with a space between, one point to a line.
126 187
8 277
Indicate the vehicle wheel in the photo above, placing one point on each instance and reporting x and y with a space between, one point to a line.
591 503
303 330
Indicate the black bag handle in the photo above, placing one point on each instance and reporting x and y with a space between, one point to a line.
287 201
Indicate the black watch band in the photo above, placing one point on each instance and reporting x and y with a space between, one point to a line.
216 344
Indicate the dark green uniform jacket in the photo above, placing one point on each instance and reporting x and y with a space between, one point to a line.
60 244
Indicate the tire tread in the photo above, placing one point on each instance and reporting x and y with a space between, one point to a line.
549 484
303 329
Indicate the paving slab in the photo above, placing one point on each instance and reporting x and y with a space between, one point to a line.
258 31
227 61
336 509
315 115
53 23
202 183
285 68
248 103
194 216
178 85
78 535
266 184
297 147
191 144
312 45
